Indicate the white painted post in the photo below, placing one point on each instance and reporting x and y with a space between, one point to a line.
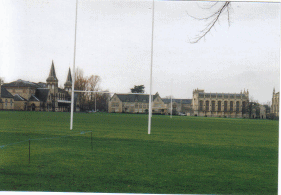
95 102
150 101
73 73
171 114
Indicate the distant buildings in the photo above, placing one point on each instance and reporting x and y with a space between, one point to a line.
230 105
25 95
135 103
29 96
202 104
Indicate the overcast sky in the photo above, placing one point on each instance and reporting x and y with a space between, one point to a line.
114 42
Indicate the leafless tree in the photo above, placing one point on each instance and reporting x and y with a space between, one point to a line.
83 83
212 19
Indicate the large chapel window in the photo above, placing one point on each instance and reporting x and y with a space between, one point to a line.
231 106
207 105
243 107
225 106
219 105
237 106
200 105
213 105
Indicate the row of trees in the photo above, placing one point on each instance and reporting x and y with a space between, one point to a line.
91 100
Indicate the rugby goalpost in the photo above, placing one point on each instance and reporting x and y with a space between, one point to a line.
79 91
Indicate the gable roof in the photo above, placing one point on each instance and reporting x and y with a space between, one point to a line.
5 93
183 101
33 98
21 83
42 94
17 97
135 97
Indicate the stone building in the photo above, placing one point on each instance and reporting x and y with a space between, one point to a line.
229 105
178 106
136 103
6 99
42 96
275 103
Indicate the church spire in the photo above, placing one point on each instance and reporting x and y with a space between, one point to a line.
68 82
52 74
69 78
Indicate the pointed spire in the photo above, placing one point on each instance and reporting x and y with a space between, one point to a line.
69 78
52 74
68 82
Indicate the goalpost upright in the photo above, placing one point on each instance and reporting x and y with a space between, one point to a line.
73 73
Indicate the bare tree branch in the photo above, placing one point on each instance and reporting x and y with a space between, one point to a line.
212 20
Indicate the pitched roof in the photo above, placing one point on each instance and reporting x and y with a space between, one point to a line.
33 98
17 97
183 101
135 97
52 74
42 94
21 83
5 93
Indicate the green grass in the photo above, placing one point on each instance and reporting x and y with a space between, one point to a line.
182 154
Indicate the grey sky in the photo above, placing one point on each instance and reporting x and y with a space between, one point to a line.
114 42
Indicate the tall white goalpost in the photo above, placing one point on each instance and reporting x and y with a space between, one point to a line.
73 73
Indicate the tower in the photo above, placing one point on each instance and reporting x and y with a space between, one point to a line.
68 83
52 83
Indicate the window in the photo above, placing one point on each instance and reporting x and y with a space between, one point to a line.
243 107
136 106
140 106
207 105
200 105
225 106
237 106
213 106
219 105
6 103
231 106
11 102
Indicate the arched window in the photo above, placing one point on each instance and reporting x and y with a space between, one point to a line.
243 107
237 106
201 105
219 105
53 86
225 106
213 106
231 106
207 105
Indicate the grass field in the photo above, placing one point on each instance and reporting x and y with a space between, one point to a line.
182 155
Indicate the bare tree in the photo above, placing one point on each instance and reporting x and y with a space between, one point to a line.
212 19
81 84
87 100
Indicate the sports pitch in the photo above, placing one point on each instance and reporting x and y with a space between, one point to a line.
113 153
